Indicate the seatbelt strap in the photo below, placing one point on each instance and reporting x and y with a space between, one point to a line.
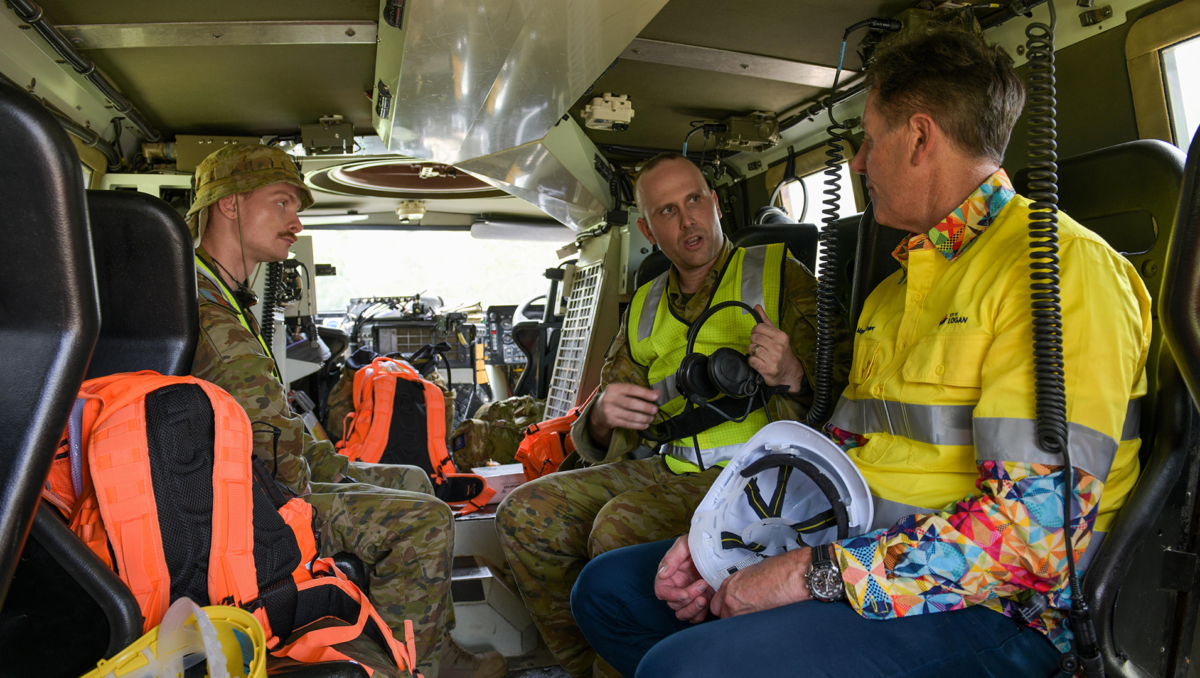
75 438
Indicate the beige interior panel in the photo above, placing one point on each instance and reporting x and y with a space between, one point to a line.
1147 37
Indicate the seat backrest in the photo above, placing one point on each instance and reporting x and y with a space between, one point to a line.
1127 194
1147 556
655 264
146 282
801 239
146 279
49 316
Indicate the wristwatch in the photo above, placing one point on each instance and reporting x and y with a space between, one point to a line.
824 578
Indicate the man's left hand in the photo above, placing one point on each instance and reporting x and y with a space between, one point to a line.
771 355
774 582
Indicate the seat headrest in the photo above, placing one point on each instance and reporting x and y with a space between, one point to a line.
146 278
655 264
1127 194
801 239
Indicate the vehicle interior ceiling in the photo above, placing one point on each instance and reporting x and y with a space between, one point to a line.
268 91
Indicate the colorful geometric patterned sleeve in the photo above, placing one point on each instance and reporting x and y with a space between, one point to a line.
995 548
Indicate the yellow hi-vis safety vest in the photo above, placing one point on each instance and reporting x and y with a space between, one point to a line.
942 376
227 294
658 340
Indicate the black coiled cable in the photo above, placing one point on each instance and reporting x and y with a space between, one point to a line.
827 304
271 291
1049 369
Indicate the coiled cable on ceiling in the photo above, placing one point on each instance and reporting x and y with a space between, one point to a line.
827 303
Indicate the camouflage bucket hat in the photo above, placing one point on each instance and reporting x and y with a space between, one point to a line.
238 169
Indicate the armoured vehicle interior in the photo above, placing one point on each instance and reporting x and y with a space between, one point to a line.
473 165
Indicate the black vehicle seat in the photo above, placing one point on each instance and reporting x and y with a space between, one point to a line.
655 264
49 321
145 272
146 284
1129 194
859 240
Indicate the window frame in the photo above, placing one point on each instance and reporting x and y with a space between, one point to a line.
1148 37
811 162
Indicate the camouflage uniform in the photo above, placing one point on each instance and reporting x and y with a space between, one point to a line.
341 403
390 519
495 432
550 527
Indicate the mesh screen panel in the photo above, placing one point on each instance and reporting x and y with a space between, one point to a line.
573 342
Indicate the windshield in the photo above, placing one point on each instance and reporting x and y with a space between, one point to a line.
449 264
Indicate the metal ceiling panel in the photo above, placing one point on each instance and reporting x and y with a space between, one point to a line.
733 63
476 79
220 34
556 174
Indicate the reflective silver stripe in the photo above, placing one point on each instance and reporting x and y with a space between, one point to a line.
1093 548
1005 439
666 390
888 512
752 276
1133 420
932 424
650 306
712 455
203 270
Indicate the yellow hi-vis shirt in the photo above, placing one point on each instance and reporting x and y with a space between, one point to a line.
658 340
942 391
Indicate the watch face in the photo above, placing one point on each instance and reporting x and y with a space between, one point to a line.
826 583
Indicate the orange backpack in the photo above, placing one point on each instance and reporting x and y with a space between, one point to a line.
547 444
400 418
155 475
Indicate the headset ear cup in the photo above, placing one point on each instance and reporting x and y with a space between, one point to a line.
691 379
730 372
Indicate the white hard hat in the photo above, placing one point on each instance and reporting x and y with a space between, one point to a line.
749 514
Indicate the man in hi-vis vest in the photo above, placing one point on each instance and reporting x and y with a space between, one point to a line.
243 215
551 527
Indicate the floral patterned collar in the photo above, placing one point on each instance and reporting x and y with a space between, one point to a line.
951 236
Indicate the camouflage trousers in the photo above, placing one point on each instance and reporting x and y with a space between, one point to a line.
391 476
406 540
551 527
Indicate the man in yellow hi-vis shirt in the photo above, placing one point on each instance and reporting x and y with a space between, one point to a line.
965 572
550 527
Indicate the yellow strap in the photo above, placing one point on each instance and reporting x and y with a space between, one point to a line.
227 295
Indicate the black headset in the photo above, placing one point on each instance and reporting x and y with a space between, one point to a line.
727 371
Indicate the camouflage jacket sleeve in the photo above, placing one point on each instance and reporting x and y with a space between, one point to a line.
619 366
230 356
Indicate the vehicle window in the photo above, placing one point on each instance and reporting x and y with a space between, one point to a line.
450 264
1181 69
803 198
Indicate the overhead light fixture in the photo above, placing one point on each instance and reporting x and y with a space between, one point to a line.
516 229
332 219
409 211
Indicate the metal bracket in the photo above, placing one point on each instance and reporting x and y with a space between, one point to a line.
1095 16
214 33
